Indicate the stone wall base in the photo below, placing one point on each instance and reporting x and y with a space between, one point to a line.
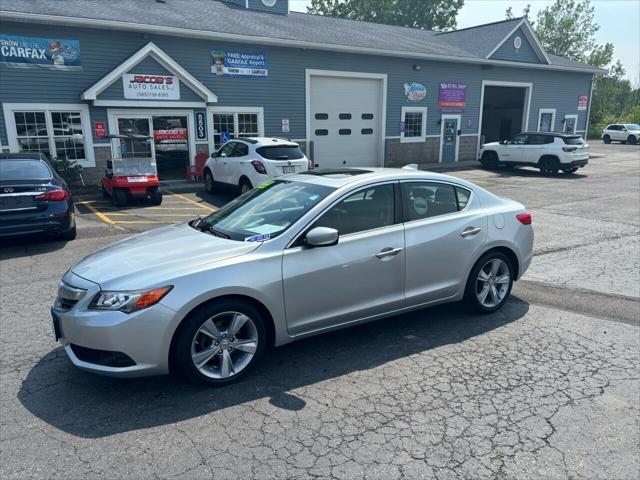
399 154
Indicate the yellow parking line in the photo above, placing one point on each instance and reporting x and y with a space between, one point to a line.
141 221
187 199
102 216
182 215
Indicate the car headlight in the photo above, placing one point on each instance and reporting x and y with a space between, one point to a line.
128 301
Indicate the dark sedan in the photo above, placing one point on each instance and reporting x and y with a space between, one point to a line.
34 199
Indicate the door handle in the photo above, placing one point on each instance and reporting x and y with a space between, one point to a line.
470 231
388 252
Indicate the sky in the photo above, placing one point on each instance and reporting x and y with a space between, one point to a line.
619 22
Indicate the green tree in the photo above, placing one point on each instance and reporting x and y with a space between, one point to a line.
509 12
425 14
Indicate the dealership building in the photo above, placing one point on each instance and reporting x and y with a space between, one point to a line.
191 74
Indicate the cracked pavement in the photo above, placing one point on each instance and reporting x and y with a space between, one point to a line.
547 388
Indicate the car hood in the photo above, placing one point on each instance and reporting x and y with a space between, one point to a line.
154 257
491 144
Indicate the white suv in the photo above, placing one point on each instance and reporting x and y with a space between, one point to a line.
621 132
249 162
547 151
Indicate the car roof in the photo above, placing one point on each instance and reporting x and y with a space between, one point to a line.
342 177
552 134
266 141
24 156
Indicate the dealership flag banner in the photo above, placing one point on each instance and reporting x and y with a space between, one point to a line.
36 52
239 64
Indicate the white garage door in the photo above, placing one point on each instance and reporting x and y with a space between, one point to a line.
346 123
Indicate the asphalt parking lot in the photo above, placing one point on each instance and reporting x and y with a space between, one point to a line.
548 387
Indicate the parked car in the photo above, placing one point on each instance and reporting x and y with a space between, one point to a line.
34 198
295 257
621 132
547 151
248 162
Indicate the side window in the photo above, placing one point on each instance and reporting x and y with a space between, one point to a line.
518 140
429 199
227 149
462 195
364 210
241 150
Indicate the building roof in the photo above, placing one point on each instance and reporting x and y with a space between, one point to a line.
202 17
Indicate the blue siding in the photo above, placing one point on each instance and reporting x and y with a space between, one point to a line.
508 51
282 93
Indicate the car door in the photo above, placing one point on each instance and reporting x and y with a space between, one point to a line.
513 149
359 277
221 164
239 156
533 148
445 227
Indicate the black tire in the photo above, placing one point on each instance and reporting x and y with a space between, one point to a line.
188 330
631 140
69 234
155 196
548 165
244 186
105 194
489 160
571 170
471 300
119 197
606 139
208 181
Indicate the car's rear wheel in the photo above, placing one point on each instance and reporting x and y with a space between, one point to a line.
571 170
606 139
208 181
489 284
155 196
548 165
221 342
489 160
119 197
245 186
631 140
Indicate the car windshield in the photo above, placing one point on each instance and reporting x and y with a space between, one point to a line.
20 169
632 126
265 212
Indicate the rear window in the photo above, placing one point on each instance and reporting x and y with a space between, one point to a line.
11 170
280 152
573 140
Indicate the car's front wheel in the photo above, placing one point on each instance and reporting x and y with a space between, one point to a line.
489 284
489 160
606 139
220 342
631 140
208 181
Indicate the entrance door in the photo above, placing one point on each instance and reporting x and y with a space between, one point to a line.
449 138
171 142
135 125
570 123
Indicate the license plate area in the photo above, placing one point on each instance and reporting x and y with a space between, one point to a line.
136 179
16 202
289 169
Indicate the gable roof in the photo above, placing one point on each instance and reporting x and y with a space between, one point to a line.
213 19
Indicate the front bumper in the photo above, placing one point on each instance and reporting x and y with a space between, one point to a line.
143 336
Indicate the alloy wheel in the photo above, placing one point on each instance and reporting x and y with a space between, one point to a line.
492 284
224 345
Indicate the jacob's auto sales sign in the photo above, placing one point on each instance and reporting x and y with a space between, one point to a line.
34 52
139 86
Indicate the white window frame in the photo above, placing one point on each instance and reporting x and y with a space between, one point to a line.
233 111
575 124
552 111
8 110
423 134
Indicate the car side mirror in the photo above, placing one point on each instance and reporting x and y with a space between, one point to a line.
502 142
214 154
321 237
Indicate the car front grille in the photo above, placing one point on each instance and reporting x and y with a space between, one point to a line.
68 296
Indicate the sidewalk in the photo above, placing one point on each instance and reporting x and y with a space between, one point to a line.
450 167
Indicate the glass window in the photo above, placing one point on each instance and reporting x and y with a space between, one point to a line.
322 132
462 195
241 150
413 124
11 170
280 152
546 120
248 125
344 116
367 116
573 140
428 199
365 210
322 116
222 123
235 125
518 140
65 135
344 131
267 210
227 149
367 131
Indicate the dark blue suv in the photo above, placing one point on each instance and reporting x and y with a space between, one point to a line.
34 198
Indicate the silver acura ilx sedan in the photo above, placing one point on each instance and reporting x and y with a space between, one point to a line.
294 257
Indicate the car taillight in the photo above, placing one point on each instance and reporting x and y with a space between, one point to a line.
309 164
524 218
259 166
52 196
569 149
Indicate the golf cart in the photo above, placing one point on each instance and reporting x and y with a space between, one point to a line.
129 176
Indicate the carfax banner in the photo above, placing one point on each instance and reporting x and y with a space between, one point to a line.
239 64
36 52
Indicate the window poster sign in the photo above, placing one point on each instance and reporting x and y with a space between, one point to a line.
201 124
452 95
239 64
177 133
583 101
36 52
150 87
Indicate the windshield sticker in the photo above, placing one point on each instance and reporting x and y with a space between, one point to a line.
258 238
265 228
266 184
